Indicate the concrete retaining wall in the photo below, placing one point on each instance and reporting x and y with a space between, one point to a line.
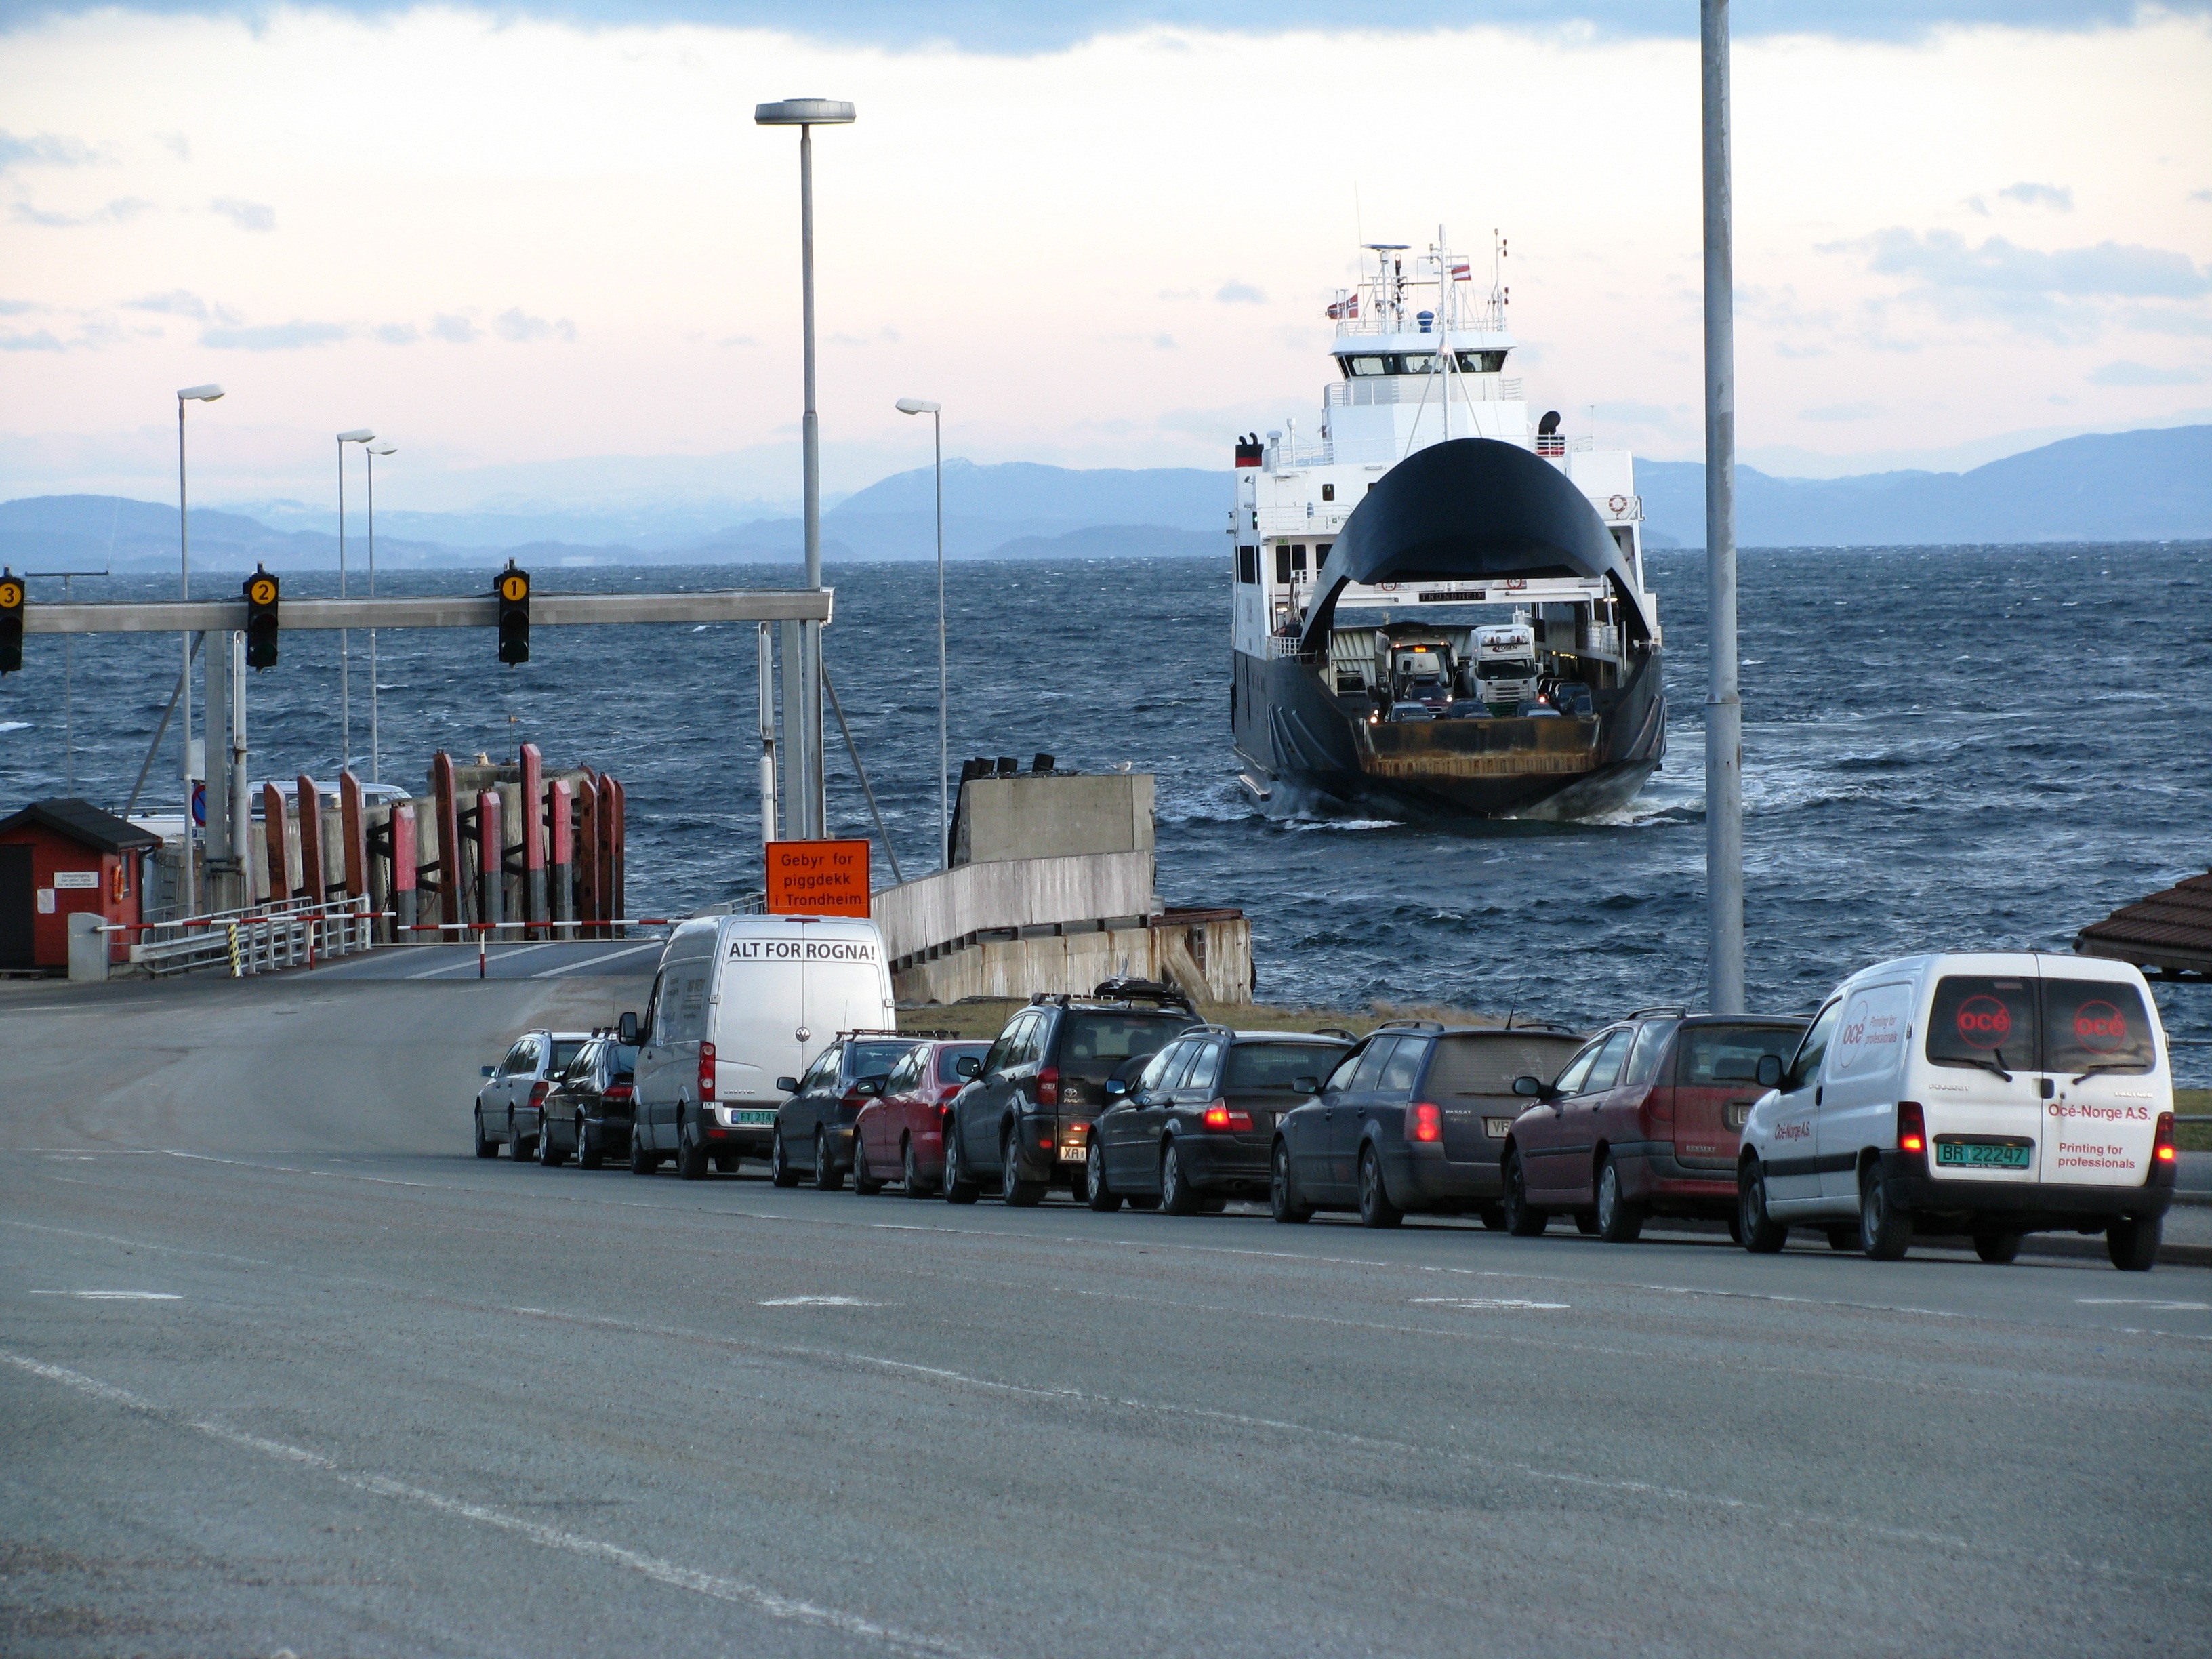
1205 952
938 912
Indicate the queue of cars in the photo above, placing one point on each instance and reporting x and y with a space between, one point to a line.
1982 1097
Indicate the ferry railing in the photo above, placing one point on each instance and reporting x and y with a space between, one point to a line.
290 933
1411 389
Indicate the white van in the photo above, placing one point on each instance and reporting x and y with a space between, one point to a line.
740 1002
1990 1094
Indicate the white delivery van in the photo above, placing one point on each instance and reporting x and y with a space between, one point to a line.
740 1002
1988 1095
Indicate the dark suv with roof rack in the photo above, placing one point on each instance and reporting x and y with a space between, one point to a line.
1022 1123
1411 1120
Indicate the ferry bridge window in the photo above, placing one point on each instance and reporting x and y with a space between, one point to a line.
1481 362
1248 566
1299 558
1282 561
1367 365
1328 492
1419 362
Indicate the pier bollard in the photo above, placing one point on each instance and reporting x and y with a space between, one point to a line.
490 864
279 886
453 874
353 835
587 861
617 806
403 874
312 881
561 828
530 821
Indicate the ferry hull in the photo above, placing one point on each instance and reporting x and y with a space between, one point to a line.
1293 730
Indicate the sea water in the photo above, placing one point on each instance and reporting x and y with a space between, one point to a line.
1943 748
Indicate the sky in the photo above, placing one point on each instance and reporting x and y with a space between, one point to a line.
547 252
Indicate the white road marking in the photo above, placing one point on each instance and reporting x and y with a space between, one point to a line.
819 1301
1483 1301
593 961
735 1591
115 1296
2151 1302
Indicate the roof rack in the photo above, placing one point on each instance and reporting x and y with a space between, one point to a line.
1411 1025
1680 1010
1334 1031
1126 989
870 1031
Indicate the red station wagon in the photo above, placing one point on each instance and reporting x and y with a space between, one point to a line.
900 1135
1643 1121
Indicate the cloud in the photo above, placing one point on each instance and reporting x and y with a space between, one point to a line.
2057 196
1234 293
2115 270
17 307
2127 373
41 341
1840 412
455 331
1636 414
120 212
274 336
2200 195
46 150
1163 343
520 326
395 333
175 303
246 215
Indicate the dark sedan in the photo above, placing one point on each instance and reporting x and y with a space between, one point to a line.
587 1110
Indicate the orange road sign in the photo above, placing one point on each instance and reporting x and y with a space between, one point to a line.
818 879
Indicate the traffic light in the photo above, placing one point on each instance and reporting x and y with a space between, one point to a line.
513 615
11 621
260 619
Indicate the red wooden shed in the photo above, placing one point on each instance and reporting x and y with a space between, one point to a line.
61 856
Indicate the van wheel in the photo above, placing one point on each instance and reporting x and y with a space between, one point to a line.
1996 1248
1756 1230
863 1183
911 1168
484 1148
960 1186
828 1177
1885 1231
1014 1189
1282 1191
1618 1221
1177 1196
2132 1243
1101 1197
1522 1218
779 1163
690 1155
1375 1209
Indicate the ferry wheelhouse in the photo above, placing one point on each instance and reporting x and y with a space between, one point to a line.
1439 606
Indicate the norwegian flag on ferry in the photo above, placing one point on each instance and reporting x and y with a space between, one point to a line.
1345 310
1461 274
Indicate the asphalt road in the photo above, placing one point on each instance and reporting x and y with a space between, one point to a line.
283 1367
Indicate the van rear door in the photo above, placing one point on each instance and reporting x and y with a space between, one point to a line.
1979 1086
2101 1057
757 1016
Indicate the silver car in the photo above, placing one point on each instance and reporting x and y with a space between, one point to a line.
509 1103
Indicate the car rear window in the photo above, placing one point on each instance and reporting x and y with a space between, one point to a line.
625 1058
2095 1024
1486 1065
1983 1020
1092 1045
565 1052
1276 1065
1710 1056
953 1053
875 1058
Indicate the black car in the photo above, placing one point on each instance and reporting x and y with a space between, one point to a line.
814 1128
1194 1130
588 1110
1022 1123
1414 1119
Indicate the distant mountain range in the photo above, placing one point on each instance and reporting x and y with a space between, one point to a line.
2138 486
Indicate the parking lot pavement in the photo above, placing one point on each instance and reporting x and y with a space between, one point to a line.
544 959
276 1375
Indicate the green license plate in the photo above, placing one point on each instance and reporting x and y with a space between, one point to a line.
1971 1155
762 1118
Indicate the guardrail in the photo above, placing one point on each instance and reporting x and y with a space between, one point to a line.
268 940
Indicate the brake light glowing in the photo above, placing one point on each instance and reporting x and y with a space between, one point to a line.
1048 1086
1911 1127
618 1095
1224 1117
705 1071
2161 1149
1425 1122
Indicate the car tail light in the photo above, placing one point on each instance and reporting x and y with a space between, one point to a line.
538 1091
705 1071
1048 1086
2161 1145
1425 1122
618 1094
1221 1115
1912 1128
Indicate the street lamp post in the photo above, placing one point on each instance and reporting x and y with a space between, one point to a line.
359 435
919 406
190 394
807 114
376 744
1723 701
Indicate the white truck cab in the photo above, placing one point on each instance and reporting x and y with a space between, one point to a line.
738 1002
1988 1094
1505 670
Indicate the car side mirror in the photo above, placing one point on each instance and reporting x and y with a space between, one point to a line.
788 1085
967 1066
1529 1088
626 1031
1305 1086
1116 1088
489 1070
869 1087
1769 1071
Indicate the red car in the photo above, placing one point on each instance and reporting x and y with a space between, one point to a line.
900 1135
1643 1121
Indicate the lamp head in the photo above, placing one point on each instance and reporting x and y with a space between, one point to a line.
916 406
384 449
200 394
359 434
803 112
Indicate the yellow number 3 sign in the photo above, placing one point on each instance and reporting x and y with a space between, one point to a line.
11 595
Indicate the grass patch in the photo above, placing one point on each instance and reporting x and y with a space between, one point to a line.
2193 1102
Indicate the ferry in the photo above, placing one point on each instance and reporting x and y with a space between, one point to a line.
1440 608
